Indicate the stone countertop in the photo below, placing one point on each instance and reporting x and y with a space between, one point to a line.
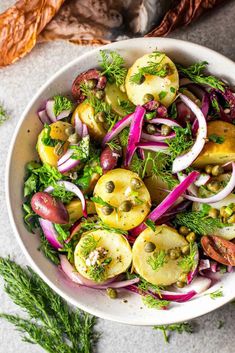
18 83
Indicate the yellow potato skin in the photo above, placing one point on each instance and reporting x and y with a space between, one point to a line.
46 153
113 95
86 113
122 181
214 153
153 183
164 238
74 209
153 84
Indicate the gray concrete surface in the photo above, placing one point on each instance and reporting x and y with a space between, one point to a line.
17 85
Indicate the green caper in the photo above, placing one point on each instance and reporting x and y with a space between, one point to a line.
109 186
100 117
58 149
149 247
148 97
184 230
213 186
100 94
183 278
125 206
231 219
213 213
174 254
91 84
223 212
217 170
69 130
140 80
112 293
107 210
74 138
135 183
185 249
150 128
208 169
165 130
180 284
191 237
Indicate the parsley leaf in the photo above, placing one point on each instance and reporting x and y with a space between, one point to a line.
91 168
113 67
61 103
63 234
179 328
216 294
46 138
181 142
61 193
82 150
3 115
154 303
157 260
215 138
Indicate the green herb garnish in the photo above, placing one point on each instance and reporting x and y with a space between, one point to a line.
61 103
162 95
149 223
216 294
100 201
90 225
126 106
82 150
113 67
3 115
89 244
179 328
154 303
61 193
215 138
63 234
188 262
157 260
46 138
181 142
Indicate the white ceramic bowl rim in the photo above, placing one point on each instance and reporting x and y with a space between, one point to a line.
170 316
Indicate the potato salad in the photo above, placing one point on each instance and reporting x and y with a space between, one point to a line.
134 183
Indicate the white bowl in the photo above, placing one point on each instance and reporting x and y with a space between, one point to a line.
22 150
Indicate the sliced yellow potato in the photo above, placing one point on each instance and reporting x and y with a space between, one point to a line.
113 96
47 153
162 88
164 238
117 247
122 192
74 209
87 115
216 153
153 184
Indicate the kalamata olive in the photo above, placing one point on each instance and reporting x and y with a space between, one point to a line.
219 249
50 208
108 159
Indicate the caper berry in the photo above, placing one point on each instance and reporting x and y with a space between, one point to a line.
112 293
191 237
213 213
91 84
183 278
99 94
135 184
148 97
208 169
217 170
107 210
149 247
165 130
150 128
213 186
69 130
184 230
100 117
58 149
125 206
185 249
180 284
223 212
109 186
140 80
174 254
231 219
74 138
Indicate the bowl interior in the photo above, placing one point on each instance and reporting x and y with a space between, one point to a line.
23 150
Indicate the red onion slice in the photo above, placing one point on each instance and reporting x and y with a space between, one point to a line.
75 189
68 165
199 285
78 125
84 131
156 138
204 264
202 179
153 146
118 127
192 188
50 233
164 121
184 161
44 118
50 111
65 157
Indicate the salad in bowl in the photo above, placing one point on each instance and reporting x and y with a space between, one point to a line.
133 187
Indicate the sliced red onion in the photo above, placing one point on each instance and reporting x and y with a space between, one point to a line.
50 111
229 269
192 274
44 118
202 179
221 195
78 125
172 211
140 153
204 264
135 133
176 297
167 202
184 161
68 165
65 157
74 189
84 131
156 138
192 188
214 266
199 285
50 233
153 146
118 127
164 121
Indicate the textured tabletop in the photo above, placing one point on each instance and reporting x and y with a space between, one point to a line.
18 84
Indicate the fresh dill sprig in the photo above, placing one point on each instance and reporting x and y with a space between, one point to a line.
195 74
145 286
90 225
61 103
97 272
100 201
157 260
188 261
123 136
216 138
113 67
82 150
49 252
181 142
50 323
149 223
126 106
89 244
3 115
179 328
216 294
154 303
198 222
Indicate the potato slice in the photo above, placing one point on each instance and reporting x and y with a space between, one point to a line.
153 184
122 192
47 153
215 153
74 209
164 238
87 115
155 85
113 95
117 247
